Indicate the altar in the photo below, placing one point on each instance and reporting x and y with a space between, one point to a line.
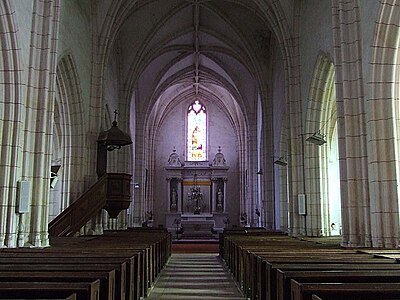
197 226
193 226
196 193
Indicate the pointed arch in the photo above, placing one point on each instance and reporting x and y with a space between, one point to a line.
320 117
69 124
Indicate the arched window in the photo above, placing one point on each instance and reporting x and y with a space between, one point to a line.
197 132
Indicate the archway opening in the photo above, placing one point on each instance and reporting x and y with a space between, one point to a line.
333 223
329 163
321 158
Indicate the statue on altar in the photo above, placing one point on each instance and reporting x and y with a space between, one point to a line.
220 199
195 197
174 199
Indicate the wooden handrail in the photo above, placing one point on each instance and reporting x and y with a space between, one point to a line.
111 191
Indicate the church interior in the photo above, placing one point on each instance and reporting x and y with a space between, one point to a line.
168 120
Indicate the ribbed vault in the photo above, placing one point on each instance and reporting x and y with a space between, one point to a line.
172 51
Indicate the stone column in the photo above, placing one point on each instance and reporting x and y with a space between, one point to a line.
224 202
383 106
168 179
213 193
11 122
294 119
352 133
39 119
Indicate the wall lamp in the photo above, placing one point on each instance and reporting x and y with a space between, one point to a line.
317 139
281 161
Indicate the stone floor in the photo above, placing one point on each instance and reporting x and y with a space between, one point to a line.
195 276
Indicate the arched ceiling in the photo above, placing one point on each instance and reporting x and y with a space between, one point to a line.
210 48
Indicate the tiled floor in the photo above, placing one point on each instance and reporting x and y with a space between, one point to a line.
195 276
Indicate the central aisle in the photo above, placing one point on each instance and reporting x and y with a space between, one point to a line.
195 276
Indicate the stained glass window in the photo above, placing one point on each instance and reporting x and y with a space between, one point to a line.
197 132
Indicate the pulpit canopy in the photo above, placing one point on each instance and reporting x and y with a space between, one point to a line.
114 138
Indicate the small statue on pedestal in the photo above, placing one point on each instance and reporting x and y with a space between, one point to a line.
220 199
174 199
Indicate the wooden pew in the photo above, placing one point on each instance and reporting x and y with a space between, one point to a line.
271 268
345 291
107 279
237 258
250 283
71 297
333 267
138 262
40 290
253 266
140 239
78 260
131 274
146 272
337 276
132 256
120 284
254 261
237 246
137 256
130 277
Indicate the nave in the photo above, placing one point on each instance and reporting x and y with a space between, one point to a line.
137 264
195 276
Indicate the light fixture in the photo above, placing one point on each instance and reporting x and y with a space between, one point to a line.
317 139
281 161
54 175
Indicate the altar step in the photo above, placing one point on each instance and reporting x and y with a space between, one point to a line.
197 236
196 241
195 248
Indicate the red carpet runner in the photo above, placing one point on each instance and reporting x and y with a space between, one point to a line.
195 248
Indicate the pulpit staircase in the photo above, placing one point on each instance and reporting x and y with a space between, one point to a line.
111 192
